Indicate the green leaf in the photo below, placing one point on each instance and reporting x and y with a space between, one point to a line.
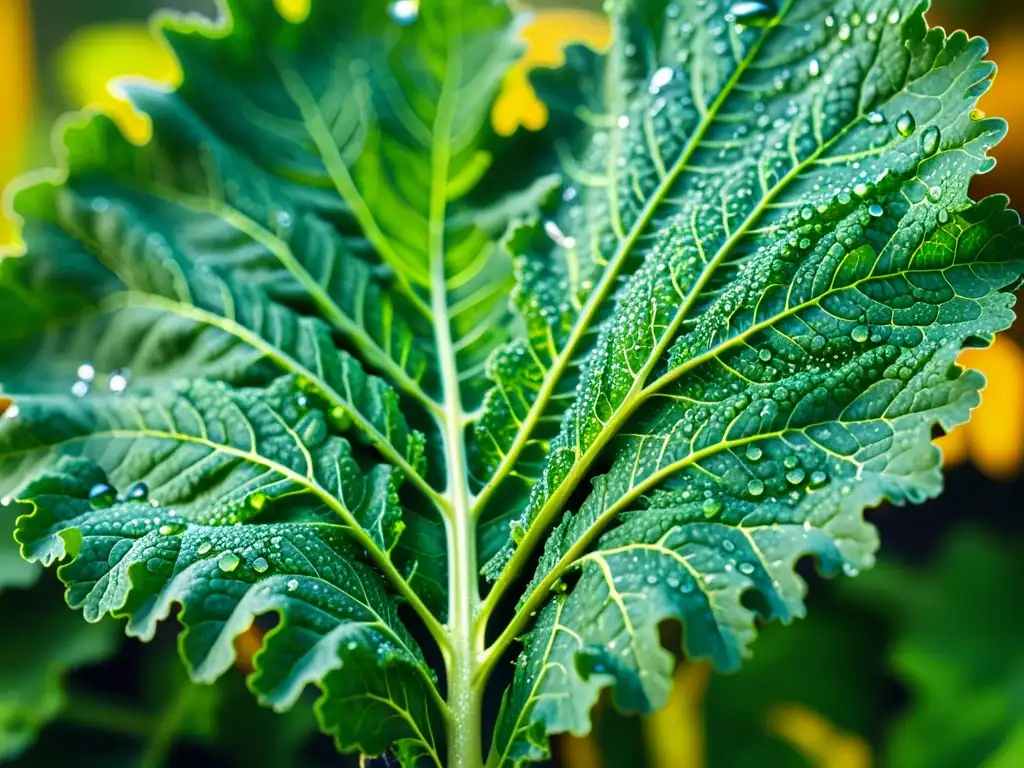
951 647
811 267
677 341
36 658
136 559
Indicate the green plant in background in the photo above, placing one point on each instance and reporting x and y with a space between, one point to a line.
266 364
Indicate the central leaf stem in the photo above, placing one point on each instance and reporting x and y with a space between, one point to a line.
461 657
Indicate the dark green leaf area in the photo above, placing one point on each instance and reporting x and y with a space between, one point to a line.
138 560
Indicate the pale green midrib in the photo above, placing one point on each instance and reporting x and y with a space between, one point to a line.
375 355
464 732
355 530
301 96
608 280
285 361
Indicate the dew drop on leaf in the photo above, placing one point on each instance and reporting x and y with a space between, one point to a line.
260 565
754 453
138 492
711 507
228 562
859 334
755 487
660 79
746 568
876 118
293 584
795 477
930 140
102 495
751 13
876 210
204 548
906 124
728 546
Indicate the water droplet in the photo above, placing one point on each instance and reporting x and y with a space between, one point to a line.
906 124
859 334
728 546
795 477
102 495
552 230
652 579
257 500
260 565
204 548
764 355
404 12
86 372
818 478
293 584
170 529
228 562
790 462
746 568
754 453
138 492
814 68
935 194
80 389
711 507
930 140
876 118
118 382
876 210
661 78
284 219
751 13
894 16
755 487
623 122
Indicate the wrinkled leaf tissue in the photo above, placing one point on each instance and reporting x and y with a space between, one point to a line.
268 362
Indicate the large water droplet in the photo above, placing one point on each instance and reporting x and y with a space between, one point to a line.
754 453
86 372
661 78
228 562
138 492
102 495
795 477
859 334
404 12
118 382
260 565
204 548
751 13
876 210
755 487
906 124
930 140
711 507
293 584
